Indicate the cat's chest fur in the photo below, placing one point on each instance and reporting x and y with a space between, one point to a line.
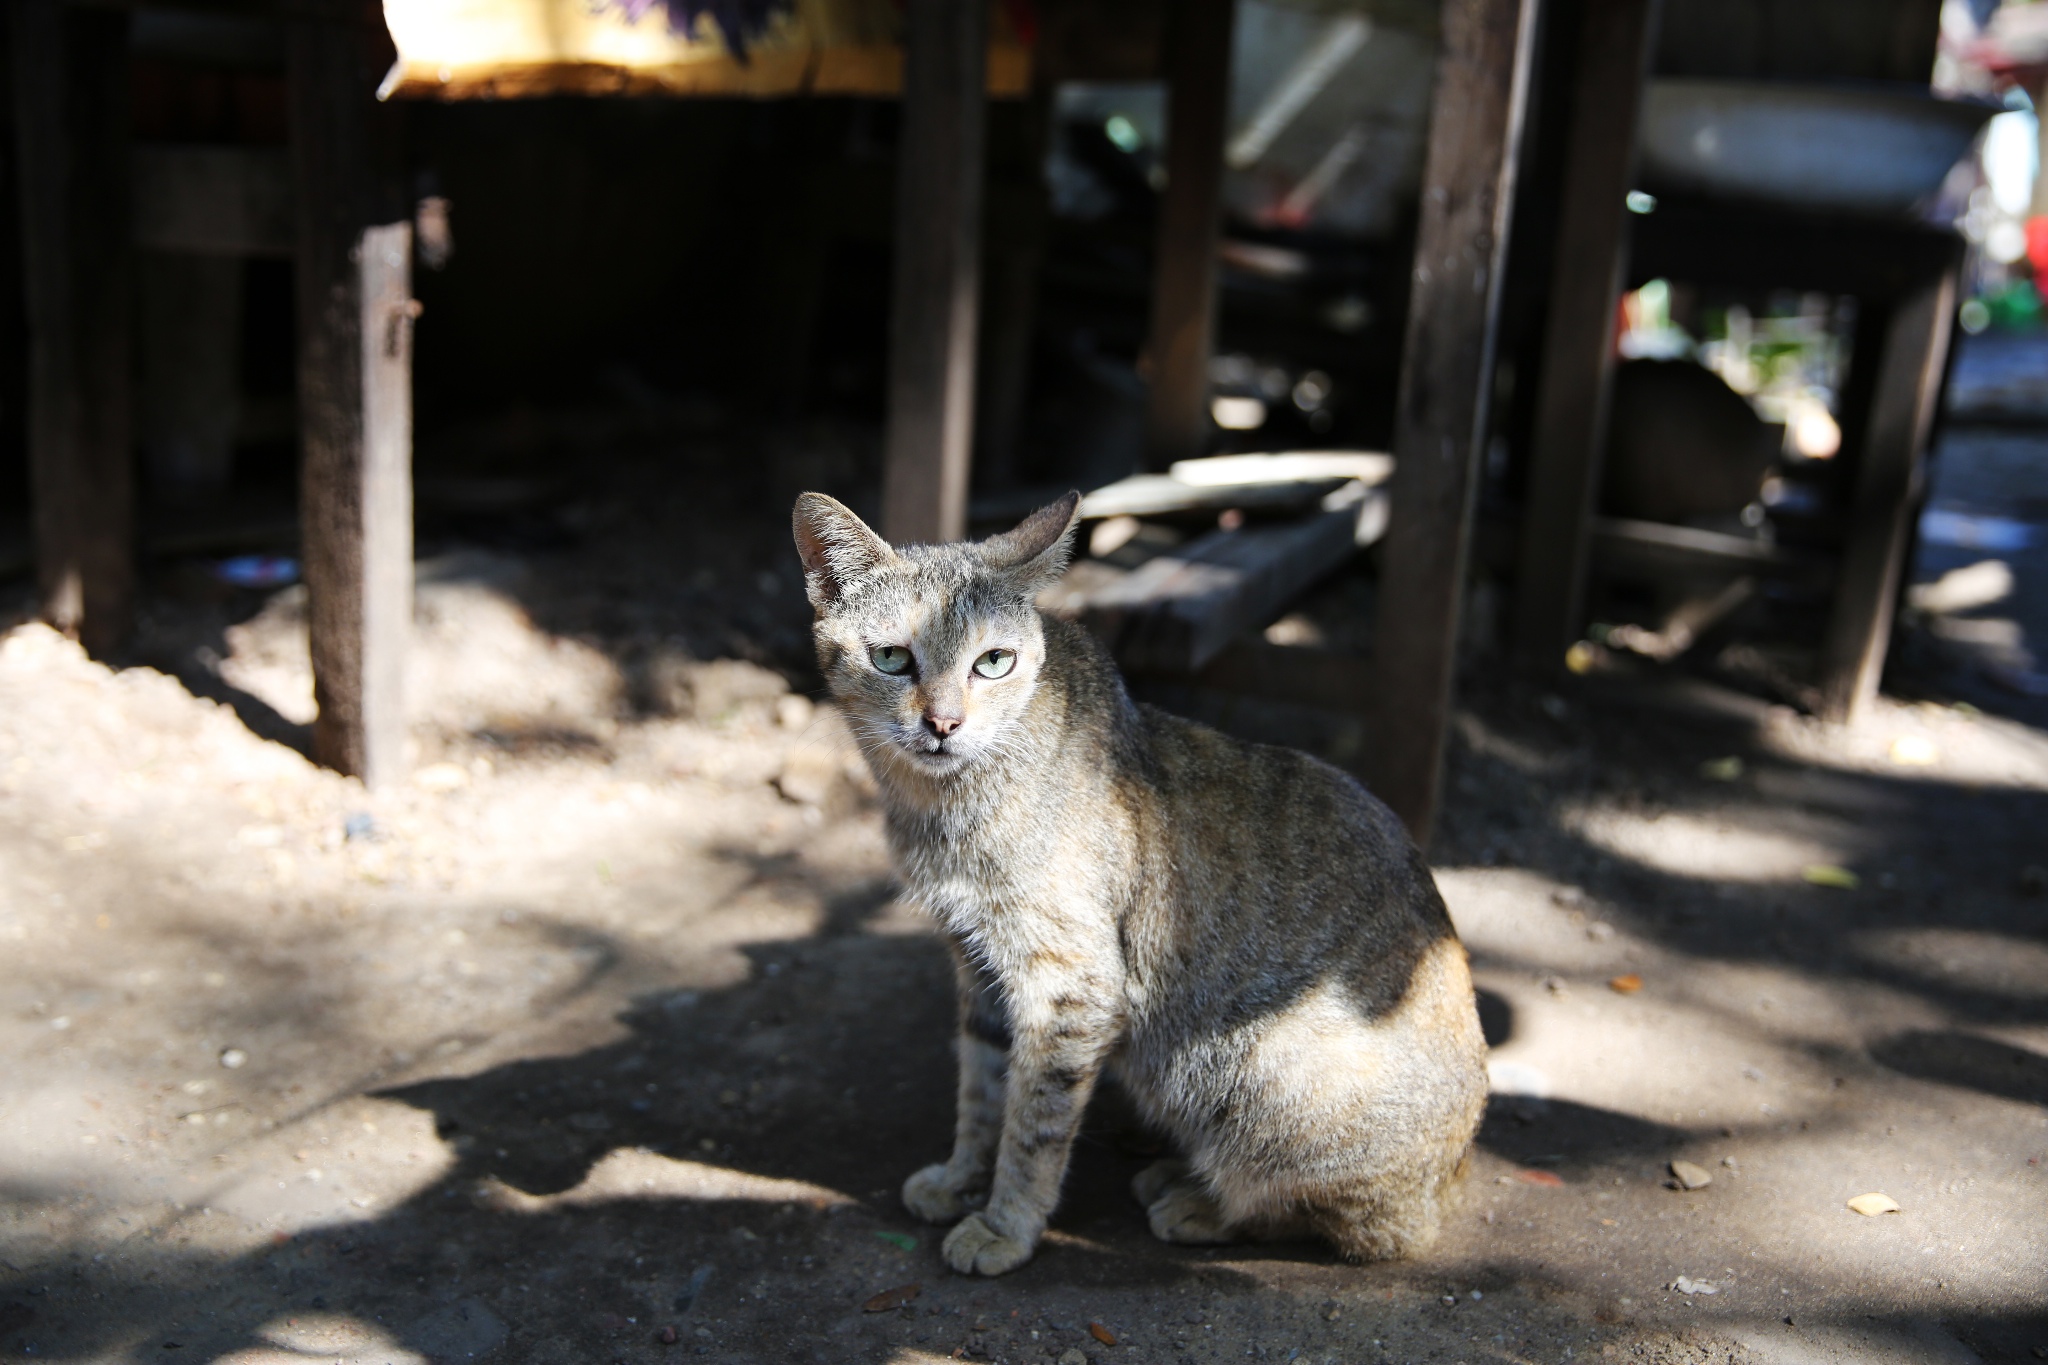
1008 877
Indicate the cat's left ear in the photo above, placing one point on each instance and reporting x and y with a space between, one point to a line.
1036 552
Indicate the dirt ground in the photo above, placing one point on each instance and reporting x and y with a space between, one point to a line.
605 1038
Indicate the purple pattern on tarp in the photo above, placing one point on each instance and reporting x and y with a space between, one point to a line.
740 22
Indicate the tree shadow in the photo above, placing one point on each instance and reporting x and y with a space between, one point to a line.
1951 1057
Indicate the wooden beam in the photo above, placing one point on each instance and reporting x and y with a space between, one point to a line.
1615 40
1440 420
1177 611
937 301
71 144
355 413
1197 59
1887 490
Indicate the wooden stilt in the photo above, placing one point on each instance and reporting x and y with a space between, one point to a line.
1578 344
938 272
1184 269
1908 382
1446 377
355 395
71 141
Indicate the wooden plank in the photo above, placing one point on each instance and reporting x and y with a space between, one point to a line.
1197 53
214 201
1621 542
1177 611
1249 483
1578 345
936 305
355 349
70 69
1446 381
1887 491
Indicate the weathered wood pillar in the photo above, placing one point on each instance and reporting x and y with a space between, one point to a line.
355 387
1577 377
936 306
70 70
1908 381
1197 41
1440 422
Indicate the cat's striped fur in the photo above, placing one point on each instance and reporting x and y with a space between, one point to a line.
1242 935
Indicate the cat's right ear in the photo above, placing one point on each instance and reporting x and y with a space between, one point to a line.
836 546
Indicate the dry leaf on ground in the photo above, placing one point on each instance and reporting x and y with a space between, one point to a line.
1548 1179
1627 984
892 1298
1102 1334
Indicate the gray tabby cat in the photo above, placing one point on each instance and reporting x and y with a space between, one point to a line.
1241 934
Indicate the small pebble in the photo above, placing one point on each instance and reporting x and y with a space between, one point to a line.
233 1057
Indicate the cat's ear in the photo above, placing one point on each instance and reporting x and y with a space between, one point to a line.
1037 550
836 546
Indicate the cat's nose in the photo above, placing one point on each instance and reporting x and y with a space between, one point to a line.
941 724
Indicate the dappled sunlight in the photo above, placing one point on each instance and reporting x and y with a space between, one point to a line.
2000 966
1713 848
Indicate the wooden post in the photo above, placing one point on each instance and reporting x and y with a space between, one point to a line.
936 307
1197 41
1446 379
1908 379
71 143
1570 434
355 392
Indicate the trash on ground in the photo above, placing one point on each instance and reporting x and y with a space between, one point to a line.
1872 1204
1690 1176
1827 874
257 571
1685 1284
902 1241
1627 984
892 1298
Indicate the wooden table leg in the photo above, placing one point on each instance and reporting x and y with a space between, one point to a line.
1907 389
1184 269
1578 344
70 69
1446 377
355 398
935 311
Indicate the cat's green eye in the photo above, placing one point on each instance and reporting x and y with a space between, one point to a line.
891 659
996 662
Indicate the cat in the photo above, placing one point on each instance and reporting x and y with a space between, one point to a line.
1241 934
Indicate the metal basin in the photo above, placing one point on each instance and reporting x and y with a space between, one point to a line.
1868 149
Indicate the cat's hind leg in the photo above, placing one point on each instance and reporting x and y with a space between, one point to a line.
1378 1222
1179 1206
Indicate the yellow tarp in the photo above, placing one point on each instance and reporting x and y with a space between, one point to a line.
515 49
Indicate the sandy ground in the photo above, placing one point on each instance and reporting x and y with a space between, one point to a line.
605 1038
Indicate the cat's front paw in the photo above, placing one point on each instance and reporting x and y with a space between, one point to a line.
975 1248
936 1196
